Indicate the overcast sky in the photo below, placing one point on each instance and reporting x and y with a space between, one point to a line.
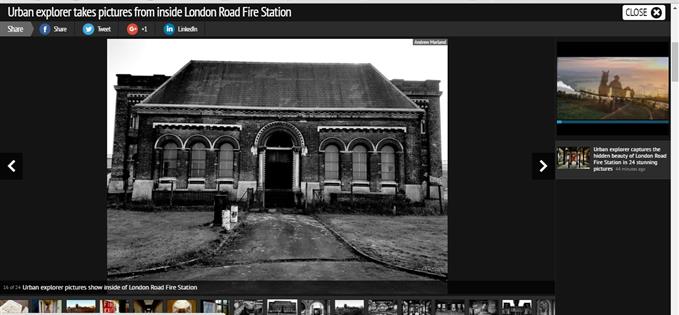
395 58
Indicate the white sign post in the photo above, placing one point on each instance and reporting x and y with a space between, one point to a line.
234 214
226 219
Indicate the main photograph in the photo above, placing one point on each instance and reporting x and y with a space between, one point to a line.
277 159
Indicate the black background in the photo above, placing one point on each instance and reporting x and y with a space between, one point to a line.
54 112
509 234
500 113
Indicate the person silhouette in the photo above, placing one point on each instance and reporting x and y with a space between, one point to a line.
616 87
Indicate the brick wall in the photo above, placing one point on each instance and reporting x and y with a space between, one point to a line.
134 153
311 163
427 95
130 90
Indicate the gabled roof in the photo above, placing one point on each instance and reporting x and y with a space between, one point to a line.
280 85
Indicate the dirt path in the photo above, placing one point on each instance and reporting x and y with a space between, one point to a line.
630 111
285 247
276 237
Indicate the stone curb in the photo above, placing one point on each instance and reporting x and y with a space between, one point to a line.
437 276
179 264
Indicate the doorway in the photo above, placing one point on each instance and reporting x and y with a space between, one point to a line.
278 174
278 169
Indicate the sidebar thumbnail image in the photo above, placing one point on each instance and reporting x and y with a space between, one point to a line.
382 307
517 307
416 307
545 307
46 306
578 158
613 88
281 307
113 306
182 306
349 307
215 306
248 307
455 307
314 307
483 307
14 306
81 306
147 306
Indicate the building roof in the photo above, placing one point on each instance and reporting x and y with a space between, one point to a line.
280 85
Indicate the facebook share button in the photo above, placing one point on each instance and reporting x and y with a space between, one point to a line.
44 29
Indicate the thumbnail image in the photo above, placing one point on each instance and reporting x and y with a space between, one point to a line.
517 307
545 307
248 307
628 88
182 306
281 307
483 307
49 306
577 158
147 306
416 307
349 307
284 133
215 306
382 307
14 306
113 306
314 307
81 306
455 307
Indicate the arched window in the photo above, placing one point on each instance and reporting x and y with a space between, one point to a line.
226 161
331 162
388 163
197 160
359 159
169 160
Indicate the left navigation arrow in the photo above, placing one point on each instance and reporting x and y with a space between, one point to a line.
13 166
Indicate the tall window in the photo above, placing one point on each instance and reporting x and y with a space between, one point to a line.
169 160
360 163
388 163
226 161
197 160
331 162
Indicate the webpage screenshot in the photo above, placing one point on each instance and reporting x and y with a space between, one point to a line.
340 158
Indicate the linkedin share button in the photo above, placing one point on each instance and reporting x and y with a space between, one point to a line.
643 12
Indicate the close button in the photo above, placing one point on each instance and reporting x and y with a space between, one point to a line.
11 166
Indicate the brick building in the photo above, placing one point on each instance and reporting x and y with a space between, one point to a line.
276 127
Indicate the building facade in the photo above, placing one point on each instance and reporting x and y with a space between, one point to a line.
305 128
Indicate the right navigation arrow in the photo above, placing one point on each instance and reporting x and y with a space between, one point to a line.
544 166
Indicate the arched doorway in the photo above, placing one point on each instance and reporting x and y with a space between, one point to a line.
279 168
279 146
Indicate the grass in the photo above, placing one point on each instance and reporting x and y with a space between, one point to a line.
416 242
138 240
578 109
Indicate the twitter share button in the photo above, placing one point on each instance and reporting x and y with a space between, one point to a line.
88 29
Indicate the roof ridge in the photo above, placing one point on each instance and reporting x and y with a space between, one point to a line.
294 84
393 86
